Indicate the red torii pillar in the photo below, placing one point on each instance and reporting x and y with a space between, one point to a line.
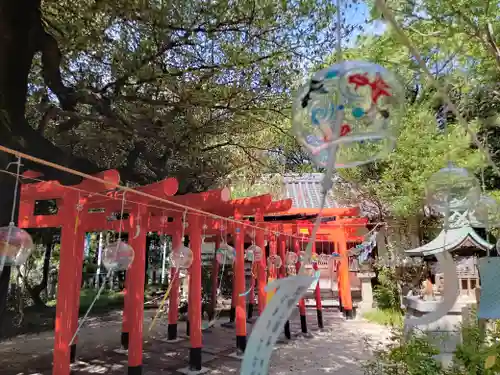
239 285
79 243
345 299
99 222
344 231
201 201
67 298
194 311
70 270
282 270
302 302
161 189
136 276
238 208
173 303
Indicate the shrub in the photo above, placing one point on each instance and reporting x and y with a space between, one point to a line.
386 295
477 345
414 356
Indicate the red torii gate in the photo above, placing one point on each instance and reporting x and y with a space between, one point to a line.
215 203
76 215
338 232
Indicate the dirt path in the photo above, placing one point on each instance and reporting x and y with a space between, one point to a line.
338 349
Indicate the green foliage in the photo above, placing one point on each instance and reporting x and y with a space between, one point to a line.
456 46
414 356
195 90
386 317
245 186
108 300
386 294
478 343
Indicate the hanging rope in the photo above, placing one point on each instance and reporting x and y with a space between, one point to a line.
389 16
101 289
174 278
219 288
327 182
13 212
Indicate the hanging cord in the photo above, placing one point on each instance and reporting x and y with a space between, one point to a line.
16 187
121 217
483 191
327 182
245 293
101 289
219 288
164 242
176 274
13 211
180 209
388 15
449 166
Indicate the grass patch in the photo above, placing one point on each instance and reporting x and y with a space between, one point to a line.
392 318
108 300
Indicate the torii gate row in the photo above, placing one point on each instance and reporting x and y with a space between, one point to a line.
72 237
70 261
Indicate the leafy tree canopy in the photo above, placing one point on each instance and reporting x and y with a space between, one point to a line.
156 88
461 58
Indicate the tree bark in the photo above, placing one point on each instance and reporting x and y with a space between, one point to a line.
22 34
38 289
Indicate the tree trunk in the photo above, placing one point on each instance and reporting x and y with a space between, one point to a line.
414 230
21 36
38 289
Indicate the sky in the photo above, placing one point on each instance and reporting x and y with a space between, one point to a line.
357 16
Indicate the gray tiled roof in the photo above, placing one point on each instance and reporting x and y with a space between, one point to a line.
305 191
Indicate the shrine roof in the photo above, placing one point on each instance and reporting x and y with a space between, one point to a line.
450 240
305 191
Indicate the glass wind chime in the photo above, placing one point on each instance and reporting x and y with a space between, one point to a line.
16 244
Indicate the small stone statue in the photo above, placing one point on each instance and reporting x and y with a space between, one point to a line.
427 290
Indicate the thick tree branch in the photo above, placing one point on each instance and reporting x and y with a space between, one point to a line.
51 60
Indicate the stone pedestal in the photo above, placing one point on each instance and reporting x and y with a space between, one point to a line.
366 290
444 333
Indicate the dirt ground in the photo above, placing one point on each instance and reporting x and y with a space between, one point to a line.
338 349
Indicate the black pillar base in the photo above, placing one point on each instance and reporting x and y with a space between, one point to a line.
124 340
135 370
172 331
250 311
241 343
72 353
320 318
232 314
288 335
303 323
349 314
187 328
195 359
341 308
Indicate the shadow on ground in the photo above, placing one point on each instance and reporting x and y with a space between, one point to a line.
338 349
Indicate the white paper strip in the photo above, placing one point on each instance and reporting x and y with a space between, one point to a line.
270 324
